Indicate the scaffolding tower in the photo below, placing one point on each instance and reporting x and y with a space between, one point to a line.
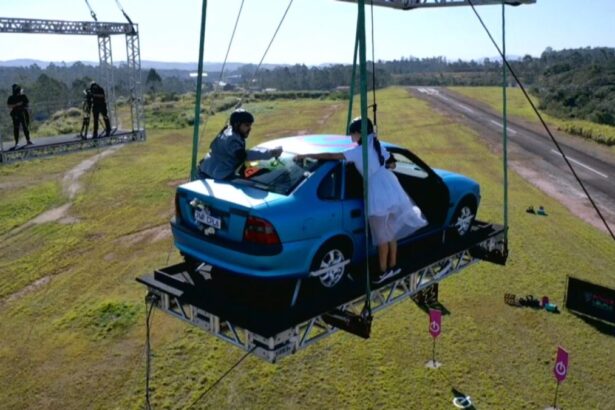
103 31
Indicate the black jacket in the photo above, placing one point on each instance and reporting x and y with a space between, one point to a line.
16 99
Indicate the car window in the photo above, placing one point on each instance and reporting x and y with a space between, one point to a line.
354 183
406 166
280 175
331 185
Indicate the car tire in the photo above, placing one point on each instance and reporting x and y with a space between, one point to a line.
331 254
463 218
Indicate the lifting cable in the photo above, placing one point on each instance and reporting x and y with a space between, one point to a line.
240 102
359 51
260 63
237 363
217 84
504 131
150 302
544 124
148 348
91 11
132 27
366 314
197 111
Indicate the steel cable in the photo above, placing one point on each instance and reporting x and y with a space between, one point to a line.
544 124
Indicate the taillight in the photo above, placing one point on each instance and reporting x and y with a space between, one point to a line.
260 231
178 215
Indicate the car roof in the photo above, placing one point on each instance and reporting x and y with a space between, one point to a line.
315 143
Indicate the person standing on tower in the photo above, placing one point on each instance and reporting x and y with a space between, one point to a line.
18 103
99 106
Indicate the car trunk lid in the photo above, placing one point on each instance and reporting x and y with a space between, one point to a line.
220 209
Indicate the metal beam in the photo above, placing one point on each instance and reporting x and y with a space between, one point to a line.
21 25
415 4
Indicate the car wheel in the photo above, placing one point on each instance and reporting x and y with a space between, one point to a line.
463 218
331 256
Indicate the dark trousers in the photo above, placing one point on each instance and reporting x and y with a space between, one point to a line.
96 111
21 119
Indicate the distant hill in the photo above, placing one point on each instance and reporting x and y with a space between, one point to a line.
23 62
145 64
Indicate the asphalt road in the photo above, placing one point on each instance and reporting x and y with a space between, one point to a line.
531 146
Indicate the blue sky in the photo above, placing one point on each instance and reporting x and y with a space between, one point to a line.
314 32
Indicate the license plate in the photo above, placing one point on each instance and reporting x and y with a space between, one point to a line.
206 219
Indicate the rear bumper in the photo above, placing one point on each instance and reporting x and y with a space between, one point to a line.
290 260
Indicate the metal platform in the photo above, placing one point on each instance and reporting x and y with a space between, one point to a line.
63 144
417 4
259 316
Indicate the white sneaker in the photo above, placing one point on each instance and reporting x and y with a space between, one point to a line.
386 275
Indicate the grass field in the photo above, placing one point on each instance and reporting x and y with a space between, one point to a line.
518 106
76 339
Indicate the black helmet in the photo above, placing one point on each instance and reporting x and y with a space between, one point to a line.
16 88
355 126
241 116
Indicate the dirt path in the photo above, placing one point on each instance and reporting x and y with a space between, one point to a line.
70 186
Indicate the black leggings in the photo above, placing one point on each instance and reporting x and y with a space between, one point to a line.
21 119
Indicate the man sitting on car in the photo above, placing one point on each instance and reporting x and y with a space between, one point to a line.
228 150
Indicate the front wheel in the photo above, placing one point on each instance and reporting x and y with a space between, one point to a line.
329 261
463 218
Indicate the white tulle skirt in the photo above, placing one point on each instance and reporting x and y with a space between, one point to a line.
392 214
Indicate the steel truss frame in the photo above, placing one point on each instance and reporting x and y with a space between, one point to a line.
415 4
39 151
105 58
289 341
104 31
133 49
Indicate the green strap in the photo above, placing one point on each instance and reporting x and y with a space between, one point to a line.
352 80
504 122
365 145
197 105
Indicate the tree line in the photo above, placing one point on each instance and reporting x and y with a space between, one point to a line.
574 83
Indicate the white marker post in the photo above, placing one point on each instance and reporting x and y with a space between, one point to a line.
435 327
560 371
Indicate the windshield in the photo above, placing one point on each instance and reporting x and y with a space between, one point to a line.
279 175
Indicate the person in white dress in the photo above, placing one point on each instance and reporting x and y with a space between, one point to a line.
392 214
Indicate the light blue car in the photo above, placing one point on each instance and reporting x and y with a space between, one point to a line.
283 219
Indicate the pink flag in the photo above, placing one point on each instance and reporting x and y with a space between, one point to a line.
435 322
561 364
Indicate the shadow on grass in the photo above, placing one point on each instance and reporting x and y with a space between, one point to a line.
603 327
462 400
437 305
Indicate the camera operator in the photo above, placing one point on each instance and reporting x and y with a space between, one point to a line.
86 109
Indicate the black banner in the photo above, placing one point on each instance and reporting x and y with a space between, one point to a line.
591 300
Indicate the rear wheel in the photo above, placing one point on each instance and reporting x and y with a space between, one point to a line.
328 261
463 218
